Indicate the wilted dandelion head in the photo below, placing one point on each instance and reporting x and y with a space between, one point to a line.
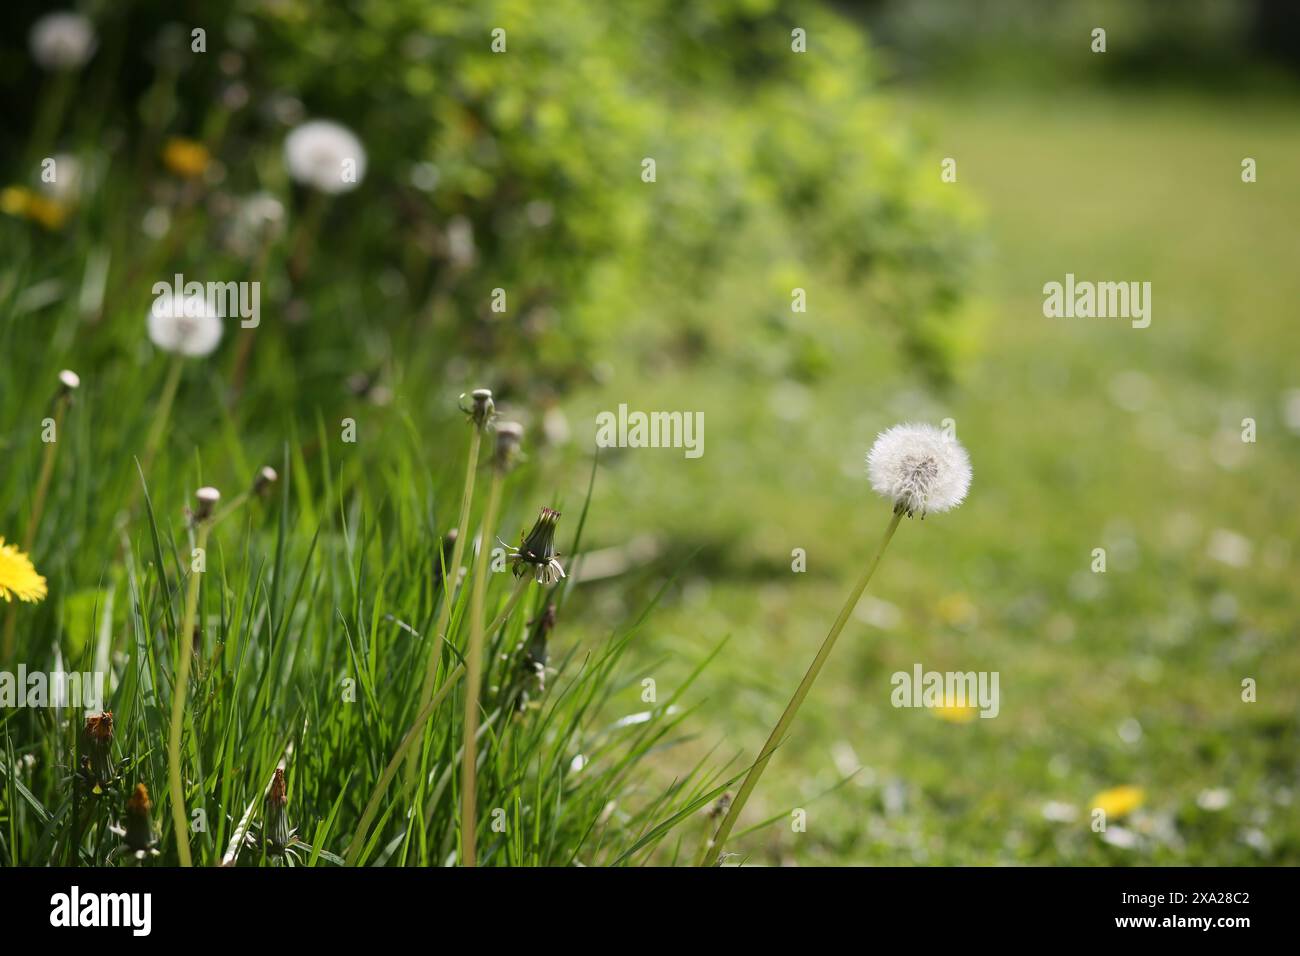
537 551
326 156
62 41
919 468
187 327
18 579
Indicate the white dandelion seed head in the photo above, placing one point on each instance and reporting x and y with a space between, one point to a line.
62 41
188 327
317 152
920 468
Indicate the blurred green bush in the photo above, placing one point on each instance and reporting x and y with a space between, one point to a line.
522 170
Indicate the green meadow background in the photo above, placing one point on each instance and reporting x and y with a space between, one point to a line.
775 171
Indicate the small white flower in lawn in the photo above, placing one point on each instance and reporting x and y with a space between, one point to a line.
189 327
62 41
919 468
326 156
69 380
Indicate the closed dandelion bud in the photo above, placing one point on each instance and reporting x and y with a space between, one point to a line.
509 437
278 833
97 751
537 554
481 410
207 498
138 833
264 480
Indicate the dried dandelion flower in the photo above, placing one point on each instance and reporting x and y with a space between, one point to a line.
326 156
97 744
137 833
537 551
62 41
279 835
18 578
919 468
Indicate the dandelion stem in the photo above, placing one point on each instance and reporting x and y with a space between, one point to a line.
162 413
474 679
180 689
714 848
451 574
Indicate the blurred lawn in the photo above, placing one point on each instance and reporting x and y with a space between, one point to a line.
1084 433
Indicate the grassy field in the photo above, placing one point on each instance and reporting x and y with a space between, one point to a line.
1084 434
318 616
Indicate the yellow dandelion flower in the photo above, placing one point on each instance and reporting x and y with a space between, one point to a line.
15 200
957 610
955 714
49 213
19 201
186 157
17 576
1119 801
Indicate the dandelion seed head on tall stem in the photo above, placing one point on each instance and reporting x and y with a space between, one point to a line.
919 468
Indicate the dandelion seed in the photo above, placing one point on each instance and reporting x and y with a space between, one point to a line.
919 468
70 380
187 327
62 41
537 551
317 153
18 578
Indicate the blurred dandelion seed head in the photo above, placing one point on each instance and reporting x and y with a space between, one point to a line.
62 41
189 327
317 153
